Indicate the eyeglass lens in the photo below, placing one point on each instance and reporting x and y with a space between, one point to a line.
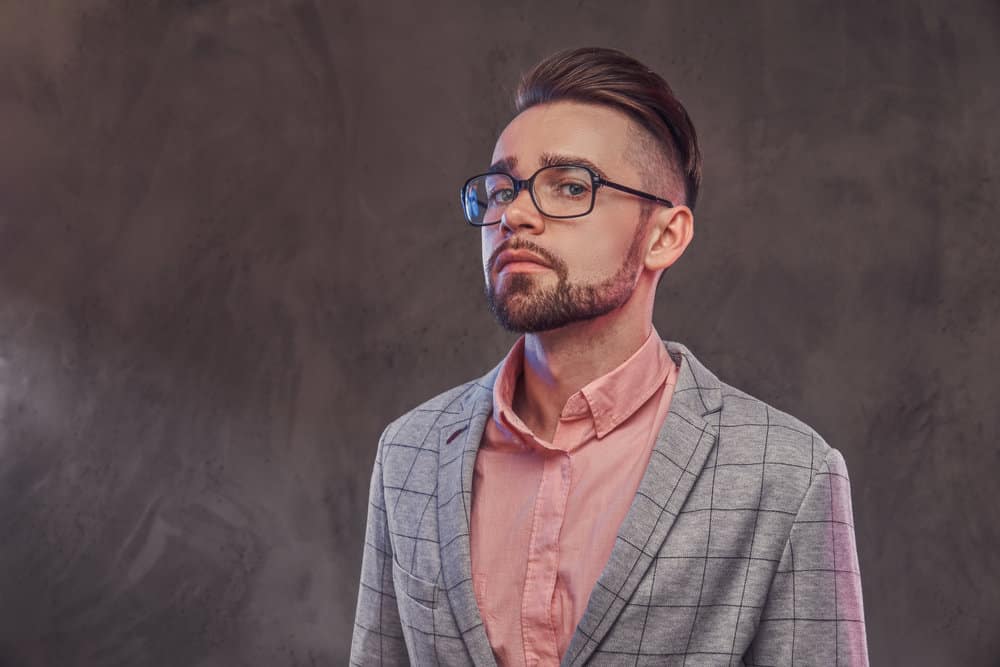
558 192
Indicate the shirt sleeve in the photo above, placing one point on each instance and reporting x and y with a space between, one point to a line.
814 613
378 635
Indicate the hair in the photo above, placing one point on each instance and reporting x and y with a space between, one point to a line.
611 78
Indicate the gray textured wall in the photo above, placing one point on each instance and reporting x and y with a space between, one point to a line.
230 252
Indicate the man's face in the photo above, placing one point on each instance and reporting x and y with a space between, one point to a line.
591 263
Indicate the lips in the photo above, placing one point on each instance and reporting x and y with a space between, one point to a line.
512 256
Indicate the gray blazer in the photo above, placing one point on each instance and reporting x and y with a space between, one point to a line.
738 548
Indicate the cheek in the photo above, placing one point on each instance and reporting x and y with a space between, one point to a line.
598 257
487 243
487 246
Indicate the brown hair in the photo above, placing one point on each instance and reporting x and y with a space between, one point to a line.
612 78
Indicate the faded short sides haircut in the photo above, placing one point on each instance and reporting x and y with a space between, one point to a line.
667 153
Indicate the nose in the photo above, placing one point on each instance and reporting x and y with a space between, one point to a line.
522 214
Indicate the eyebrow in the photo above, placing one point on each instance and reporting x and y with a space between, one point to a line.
507 164
504 164
557 160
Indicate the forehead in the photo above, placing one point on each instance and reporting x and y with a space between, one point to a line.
597 133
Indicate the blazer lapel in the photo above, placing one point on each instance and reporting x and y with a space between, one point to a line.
679 454
460 440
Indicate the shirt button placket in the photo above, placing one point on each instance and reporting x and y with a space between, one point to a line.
539 630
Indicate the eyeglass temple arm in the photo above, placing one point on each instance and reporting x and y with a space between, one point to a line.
637 193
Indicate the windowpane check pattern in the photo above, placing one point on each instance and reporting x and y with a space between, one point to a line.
738 548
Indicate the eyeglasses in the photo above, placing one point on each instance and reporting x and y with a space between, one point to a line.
559 191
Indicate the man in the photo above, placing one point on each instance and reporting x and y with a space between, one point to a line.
601 497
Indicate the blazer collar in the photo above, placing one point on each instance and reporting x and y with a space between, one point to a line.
685 439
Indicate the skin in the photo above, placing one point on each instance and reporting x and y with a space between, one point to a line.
603 267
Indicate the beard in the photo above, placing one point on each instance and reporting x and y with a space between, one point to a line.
525 307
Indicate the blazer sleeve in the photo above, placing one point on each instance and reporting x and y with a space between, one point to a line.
814 613
378 634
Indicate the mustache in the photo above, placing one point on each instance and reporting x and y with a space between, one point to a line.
522 244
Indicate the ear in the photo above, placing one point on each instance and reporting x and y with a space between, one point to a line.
670 231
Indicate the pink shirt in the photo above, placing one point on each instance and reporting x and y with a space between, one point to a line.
545 514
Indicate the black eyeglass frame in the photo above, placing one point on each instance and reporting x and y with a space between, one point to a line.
519 185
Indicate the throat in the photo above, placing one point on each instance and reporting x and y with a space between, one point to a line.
539 414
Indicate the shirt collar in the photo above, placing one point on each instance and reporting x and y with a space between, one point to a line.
608 400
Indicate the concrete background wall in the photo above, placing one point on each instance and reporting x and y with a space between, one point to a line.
230 253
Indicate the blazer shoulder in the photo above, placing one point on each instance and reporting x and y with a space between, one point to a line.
413 427
787 439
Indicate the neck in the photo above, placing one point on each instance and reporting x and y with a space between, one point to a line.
558 363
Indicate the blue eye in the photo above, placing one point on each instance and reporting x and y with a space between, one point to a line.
572 189
502 196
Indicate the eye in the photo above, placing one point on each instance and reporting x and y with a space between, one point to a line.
573 189
501 196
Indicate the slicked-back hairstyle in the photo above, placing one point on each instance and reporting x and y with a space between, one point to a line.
611 78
